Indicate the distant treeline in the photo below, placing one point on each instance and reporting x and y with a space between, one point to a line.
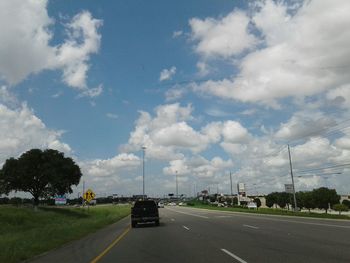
321 198
70 201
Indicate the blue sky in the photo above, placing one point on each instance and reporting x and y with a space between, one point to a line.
206 86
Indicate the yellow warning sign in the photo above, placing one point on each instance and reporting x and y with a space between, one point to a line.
89 195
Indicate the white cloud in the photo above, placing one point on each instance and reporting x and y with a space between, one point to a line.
167 74
175 93
223 37
304 124
26 32
216 112
111 167
203 68
234 132
21 130
7 97
177 34
198 167
340 96
75 52
112 115
92 93
300 57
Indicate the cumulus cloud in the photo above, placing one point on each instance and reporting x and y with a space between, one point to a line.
298 57
111 167
26 31
223 37
304 124
167 74
169 134
7 97
21 130
197 166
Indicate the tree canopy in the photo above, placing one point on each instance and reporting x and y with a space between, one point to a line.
325 198
42 173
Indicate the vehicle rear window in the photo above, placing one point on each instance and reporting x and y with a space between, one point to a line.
145 204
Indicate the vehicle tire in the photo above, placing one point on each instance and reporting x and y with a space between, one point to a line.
133 224
157 223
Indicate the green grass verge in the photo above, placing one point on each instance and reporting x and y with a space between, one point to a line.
269 211
25 233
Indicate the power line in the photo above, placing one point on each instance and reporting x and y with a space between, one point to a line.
323 168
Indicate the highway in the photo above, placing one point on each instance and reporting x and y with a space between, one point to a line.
195 235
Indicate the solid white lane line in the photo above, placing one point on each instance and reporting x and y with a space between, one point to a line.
254 227
189 214
233 255
223 216
185 227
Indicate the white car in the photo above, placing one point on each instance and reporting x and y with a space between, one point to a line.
160 205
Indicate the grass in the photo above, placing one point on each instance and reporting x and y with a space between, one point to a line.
268 211
25 233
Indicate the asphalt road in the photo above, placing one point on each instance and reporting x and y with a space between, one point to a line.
194 235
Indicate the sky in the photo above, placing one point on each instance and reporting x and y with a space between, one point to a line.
208 87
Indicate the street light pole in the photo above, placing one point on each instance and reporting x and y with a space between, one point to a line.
143 171
291 174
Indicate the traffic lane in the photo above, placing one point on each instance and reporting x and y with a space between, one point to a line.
291 219
85 249
169 242
269 240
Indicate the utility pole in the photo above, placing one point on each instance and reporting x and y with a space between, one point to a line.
83 192
231 188
291 174
177 188
143 172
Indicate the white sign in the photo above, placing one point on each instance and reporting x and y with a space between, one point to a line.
241 187
289 188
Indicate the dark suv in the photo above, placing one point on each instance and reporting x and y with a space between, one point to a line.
144 211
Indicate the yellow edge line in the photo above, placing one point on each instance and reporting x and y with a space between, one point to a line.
104 252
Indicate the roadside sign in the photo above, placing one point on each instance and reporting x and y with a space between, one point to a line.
60 200
288 188
89 195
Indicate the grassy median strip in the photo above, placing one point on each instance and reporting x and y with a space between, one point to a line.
25 233
268 211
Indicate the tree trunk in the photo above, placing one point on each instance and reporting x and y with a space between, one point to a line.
36 202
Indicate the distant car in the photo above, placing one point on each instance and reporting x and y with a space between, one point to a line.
172 204
160 205
144 211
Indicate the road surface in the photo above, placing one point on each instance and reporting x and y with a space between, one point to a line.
194 235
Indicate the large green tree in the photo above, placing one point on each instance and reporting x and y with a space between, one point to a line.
306 200
41 173
271 199
325 198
